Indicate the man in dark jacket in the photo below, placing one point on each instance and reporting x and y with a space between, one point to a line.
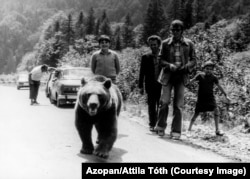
178 60
149 72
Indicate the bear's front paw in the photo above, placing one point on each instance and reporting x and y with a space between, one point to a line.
102 154
86 151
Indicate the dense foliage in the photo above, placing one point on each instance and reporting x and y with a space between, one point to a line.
22 23
232 69
61 32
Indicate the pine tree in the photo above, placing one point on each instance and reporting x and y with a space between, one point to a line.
69 31
90 24
105 24
127 32
154 20
199 13
246 29
175 10
212 19
239 40
188 14
117 37
105 28
97 27
57 26
79 27
104 15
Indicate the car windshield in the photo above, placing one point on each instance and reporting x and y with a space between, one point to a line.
75 74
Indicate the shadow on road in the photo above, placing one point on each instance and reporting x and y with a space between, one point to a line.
114 156
66 106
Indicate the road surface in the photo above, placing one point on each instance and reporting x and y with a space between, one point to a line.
41 142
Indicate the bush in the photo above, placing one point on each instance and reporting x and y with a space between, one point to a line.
232 71
130 60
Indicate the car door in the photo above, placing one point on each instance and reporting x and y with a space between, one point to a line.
54 84
52 76
47 90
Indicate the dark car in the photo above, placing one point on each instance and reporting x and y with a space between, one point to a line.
22 80
63 84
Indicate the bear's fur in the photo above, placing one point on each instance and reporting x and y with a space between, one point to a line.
99 103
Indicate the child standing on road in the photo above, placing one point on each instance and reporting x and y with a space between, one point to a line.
206 100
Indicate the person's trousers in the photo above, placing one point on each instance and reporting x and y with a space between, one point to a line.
34 87
178 102
153 106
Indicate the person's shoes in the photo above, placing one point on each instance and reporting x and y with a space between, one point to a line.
35 102
161 133
175 135
219 133
152 129
31 103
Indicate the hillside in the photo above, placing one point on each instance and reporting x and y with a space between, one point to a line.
23 22
117 9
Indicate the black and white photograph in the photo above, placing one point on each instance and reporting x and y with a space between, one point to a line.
140 82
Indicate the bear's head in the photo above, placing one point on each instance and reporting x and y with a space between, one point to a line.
94 95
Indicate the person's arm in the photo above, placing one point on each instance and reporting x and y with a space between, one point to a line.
142 75
222 91
192 59
51 69
195 78
163 58
192 80
117 64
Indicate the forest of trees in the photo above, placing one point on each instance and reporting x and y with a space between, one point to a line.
50 30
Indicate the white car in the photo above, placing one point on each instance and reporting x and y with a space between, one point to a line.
22 80
63 84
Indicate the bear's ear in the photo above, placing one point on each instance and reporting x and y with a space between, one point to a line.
107 83
83 81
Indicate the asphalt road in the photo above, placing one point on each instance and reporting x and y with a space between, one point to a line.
41 141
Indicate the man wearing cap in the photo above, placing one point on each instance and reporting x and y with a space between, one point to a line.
178 60
105 61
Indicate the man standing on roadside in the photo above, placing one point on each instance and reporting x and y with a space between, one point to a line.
34 81
149 72
105 61
178 60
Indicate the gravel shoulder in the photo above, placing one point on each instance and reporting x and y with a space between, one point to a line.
234 144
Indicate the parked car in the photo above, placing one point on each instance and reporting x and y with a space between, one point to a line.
63 84
22 80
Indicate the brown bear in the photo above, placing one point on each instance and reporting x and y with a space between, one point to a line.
99 103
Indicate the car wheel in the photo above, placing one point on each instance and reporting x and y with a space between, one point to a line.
52 101
47 94
18 88
58 103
